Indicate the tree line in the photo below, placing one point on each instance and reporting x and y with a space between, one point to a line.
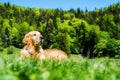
90 33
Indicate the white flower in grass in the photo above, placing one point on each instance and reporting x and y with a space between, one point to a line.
99 66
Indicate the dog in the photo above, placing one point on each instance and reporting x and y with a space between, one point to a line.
33 48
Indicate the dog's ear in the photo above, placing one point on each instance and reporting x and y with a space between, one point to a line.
26 39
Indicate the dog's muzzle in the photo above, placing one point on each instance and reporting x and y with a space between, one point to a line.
40 40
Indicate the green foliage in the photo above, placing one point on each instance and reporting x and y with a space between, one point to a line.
113 47
100 48
110 48
1 47
65 40
117 49
10 50
23 29
5 33
48 34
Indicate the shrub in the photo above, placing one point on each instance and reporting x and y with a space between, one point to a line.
109 48
1 48
10 50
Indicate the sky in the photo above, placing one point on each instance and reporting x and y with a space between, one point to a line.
63 4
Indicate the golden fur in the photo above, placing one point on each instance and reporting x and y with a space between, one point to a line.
33 48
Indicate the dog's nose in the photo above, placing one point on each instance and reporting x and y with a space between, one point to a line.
41 37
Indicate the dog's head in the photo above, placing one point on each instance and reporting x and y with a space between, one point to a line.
33 37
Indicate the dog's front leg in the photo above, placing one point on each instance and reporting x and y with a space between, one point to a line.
24 53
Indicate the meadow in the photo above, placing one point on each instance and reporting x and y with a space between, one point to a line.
75 68
89 33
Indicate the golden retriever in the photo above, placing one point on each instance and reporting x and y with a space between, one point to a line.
33 48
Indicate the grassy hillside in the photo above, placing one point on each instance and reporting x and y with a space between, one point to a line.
75 68
92 34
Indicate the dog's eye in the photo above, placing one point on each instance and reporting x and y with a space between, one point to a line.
34 34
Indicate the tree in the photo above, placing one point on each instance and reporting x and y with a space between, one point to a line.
88 38
63 42
48 34
80 13
15 37
23 29
6 30
61 14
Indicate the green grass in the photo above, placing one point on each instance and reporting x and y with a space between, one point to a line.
75 68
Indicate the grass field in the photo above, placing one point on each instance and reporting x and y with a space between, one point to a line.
75 68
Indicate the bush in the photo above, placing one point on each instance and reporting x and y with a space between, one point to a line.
1 48
10 50
109 48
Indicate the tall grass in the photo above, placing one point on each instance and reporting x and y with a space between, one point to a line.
75 68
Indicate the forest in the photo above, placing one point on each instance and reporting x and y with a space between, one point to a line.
89 33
